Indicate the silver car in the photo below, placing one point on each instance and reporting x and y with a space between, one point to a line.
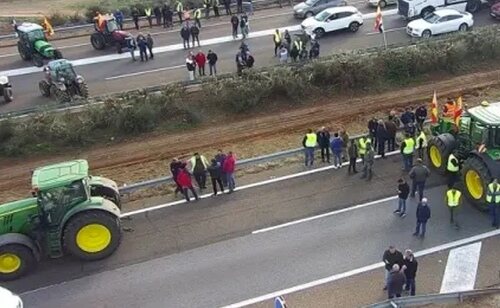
383 3
310 8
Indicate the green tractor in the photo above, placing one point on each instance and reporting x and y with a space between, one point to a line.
33 45
70 213
476 143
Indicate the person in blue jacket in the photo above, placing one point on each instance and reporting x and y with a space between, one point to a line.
336 145
119 18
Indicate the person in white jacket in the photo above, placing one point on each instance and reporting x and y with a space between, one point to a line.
198 167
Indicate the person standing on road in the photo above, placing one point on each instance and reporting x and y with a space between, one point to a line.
215 171
234 24
131 46
381 135
283 55
420 116
419 174
206 5
118 14
185 34
407 149
197 17
220 157
184 180
453 169
324 144
309 143
149 43
277 39
403 192
228 168
345 141
244 25
179 8
240 62
200 59
135 17
453 201
239 4
372 129
493 200
408 117
199 166
288 39
157 13
421 144
142 43
336 146
362 148
195 32
168 16
227 6
352 151
314 52
369 159
391 257
215 6
175 168
423 215
148 13
395 282
212 61
190 65
391 130
410 267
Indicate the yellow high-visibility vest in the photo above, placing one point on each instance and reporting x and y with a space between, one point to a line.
148 12
422 137
493 191
409 146
450 167
362 146
197 13
277 37
298 44
311 140
179 7
453 197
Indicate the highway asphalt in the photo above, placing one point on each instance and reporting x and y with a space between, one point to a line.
114 76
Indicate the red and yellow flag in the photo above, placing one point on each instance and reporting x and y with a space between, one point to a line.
378 20
434 109
47 26
458 111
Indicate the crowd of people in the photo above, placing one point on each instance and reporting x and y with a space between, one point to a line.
144 43
295 50
199 61
221 169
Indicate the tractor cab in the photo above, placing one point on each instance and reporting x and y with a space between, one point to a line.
29 33
108 33
60 71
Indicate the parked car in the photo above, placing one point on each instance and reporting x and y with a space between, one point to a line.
440 22
310 8
333 19
9 299
383 3
495 10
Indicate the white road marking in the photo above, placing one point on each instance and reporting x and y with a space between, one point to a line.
361 270
248 186
8 55
461 269
162 49
386 31
348 209
145 72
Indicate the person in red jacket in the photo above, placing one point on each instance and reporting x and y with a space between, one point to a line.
184 181
200 59
228 169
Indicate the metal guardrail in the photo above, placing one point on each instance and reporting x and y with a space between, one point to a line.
413 301
91 25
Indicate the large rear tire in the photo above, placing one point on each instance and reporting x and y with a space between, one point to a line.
97 40
83 88
58 54
59 95
7 95
475 178
22 52
473 6
16 260
37 60
92 235
438 150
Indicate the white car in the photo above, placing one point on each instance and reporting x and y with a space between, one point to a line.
439 22
333 19
9 299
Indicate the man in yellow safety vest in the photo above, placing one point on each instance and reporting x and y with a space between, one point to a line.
362 148
197 16
277 39
407 149
421 144
453 201
453 169
147 11
179 8
493 200
309 143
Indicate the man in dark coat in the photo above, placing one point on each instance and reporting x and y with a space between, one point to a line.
235 22
175 167
421 115
215 171
220 157
381 136
372 129
185 34
391 129
167 16
395 282
352 151
157 12
324 144
423 215
135 17
391 257
410 270
227 6
195 32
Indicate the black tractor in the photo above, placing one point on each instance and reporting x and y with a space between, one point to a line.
62 83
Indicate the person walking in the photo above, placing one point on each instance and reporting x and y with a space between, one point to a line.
118 14
336 145
197 17
179 9
420 116
215 5
369 159
453 200
184 180
391 130
309 143
395 282
227 7
195 32
157 13
493 201
423 215
352 151
135 17
277 39
323 137
228 168
149 44
200 59
421 144
220 157
175 168
212 61
142 43
191 66
381 135
131 46
410 266
453 169
407 149
215 171
234 24
186 35
199 166
419 174
243 26
403 192
391 257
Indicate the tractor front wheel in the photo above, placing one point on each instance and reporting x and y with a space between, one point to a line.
58 54
83 88
92 235
59 95
97 40
438 150
37 60
475 177
15 261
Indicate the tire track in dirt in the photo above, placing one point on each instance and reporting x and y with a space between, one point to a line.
134 154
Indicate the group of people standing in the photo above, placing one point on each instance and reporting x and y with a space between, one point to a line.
144 43
199 61
285 48
221 170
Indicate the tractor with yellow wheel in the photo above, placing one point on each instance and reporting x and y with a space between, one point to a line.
476 143
70 212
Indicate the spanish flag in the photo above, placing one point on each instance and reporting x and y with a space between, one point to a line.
47 26
378 20
458 111
434 109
